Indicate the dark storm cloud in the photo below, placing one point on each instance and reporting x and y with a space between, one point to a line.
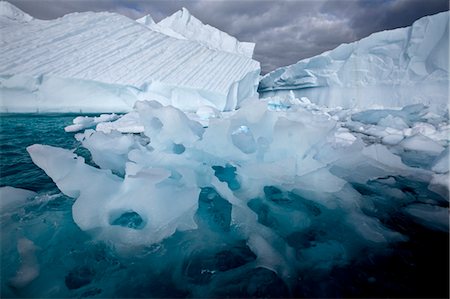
284 31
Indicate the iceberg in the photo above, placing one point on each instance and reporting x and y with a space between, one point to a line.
157 169
105 62
10 13
388 69
185 24
202 189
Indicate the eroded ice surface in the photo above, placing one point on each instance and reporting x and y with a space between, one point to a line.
105 62
392 68
276 169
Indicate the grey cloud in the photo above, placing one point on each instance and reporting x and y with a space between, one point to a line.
284 31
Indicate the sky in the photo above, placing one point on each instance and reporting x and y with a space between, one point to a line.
284 31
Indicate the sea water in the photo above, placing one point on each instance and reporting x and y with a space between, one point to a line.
206 262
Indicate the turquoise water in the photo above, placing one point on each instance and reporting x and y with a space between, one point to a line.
18 132
208 262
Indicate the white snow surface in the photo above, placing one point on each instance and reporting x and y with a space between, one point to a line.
9 12
391 68
148 21
105 62
185 24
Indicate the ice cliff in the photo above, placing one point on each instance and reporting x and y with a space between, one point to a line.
387 69
105 62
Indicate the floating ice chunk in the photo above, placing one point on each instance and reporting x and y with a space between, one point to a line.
390 117
11 198
433 217
207 112
372 230
393 122
422 143
109 151
381 154
166 126
344 137
268 256
243 139
425 129
29 267
440 184
80 122
441 164
162 203
392 139
314 181
68 171
128 123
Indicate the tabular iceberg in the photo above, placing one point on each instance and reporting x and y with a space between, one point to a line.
105 62
392 68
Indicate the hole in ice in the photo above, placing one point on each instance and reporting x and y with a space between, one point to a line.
274 194
178 148
227 174
129 219
213 210
78 277
291 200
175 175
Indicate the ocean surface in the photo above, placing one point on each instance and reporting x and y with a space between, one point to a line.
207 262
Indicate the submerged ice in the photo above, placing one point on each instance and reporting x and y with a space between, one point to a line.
269 177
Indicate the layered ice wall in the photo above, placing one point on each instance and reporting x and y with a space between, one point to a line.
105 62
389 69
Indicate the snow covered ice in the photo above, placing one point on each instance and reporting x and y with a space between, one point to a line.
389 69
183 25
202 189
105 62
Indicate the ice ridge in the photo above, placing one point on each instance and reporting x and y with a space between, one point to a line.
185 24
12 13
